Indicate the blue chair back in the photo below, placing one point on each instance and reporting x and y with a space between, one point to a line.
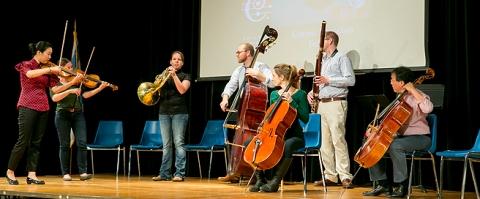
432 123
312 131
476 146
213 133
151 135
109 133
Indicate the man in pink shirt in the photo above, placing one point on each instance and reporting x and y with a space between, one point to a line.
414 135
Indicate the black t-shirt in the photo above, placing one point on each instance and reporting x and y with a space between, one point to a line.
171 101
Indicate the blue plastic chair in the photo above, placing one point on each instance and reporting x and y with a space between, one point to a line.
312 133
425 154
109 137
213 140
151 140
470 155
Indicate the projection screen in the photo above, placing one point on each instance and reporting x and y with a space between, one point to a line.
374 34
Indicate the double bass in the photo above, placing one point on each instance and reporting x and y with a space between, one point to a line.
254 98
393 117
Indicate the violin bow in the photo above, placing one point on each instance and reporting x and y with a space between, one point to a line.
85 73
88 64
63 42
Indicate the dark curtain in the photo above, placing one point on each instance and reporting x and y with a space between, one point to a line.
452 49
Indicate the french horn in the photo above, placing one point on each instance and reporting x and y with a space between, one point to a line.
149 93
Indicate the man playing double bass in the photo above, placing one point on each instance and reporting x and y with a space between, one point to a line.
259 71
414 136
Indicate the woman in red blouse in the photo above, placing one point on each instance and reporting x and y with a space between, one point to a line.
32 110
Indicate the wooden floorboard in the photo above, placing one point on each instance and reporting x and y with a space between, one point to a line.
108 186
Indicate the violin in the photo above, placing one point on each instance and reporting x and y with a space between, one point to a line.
89 80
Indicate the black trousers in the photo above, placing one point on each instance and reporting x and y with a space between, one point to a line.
31 128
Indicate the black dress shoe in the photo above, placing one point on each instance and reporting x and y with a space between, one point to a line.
377 191
399 192
11 182
33 181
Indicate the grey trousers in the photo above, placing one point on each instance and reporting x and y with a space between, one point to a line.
397 150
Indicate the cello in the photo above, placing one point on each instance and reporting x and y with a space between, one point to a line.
253 97
266 148
394 116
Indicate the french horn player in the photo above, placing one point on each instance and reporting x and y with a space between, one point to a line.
170 88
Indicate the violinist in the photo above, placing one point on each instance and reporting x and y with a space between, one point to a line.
414 136
336 76
260 71
33 109
69 116
283 75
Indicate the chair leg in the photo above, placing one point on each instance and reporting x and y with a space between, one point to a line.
441 176
304 173
118 159
464 177
123 161
138 163
409 191
435 174
321 170
473 177
129 161
91 156
210 165
199 165
226 164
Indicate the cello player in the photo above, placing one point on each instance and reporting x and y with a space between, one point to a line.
283 74
259 71
414 136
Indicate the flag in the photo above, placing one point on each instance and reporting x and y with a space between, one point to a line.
75 56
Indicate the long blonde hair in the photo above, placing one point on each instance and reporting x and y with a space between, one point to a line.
289 72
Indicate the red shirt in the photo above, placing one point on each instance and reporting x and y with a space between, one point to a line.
34 90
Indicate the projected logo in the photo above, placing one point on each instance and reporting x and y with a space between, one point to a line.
257 10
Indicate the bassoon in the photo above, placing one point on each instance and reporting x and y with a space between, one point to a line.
318 68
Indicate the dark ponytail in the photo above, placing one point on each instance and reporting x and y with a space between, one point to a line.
39 46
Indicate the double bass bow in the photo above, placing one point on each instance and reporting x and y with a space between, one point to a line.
253 99
392 118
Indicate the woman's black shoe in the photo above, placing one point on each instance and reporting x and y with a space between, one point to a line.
11 182
399 192
377 191
33 181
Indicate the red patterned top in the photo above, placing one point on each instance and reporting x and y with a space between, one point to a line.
34 90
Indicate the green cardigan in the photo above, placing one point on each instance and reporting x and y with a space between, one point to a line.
300 103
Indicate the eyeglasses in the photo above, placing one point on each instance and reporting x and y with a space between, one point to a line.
238 52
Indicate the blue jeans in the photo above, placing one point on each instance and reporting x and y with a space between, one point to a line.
173 126
64 121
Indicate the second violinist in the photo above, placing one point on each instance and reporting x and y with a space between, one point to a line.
69 115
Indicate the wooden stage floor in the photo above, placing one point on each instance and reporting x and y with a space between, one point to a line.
108 186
